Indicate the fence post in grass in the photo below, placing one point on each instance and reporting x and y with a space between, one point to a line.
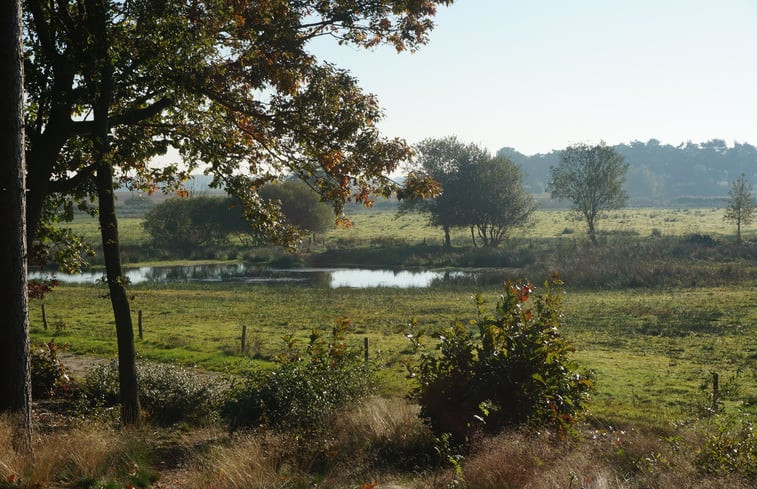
244 338
44 316
139 323
365 348
715 392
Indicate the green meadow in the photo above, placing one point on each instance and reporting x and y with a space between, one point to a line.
654 345
651 350
380 226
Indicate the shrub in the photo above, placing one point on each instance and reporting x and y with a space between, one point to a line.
47 372
306 387
513 368
167 393
730 446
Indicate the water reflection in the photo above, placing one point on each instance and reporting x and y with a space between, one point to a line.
322 277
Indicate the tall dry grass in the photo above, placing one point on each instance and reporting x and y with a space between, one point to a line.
372 441
85 452
601 459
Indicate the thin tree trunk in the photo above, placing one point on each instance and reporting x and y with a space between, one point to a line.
592 233
15 381
127 371
447 240
473 237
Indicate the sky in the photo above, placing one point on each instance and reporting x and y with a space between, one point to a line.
539 75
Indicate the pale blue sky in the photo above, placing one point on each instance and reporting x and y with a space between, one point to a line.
539 75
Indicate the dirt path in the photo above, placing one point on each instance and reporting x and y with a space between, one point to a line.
78 365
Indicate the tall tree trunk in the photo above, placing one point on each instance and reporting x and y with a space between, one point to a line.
15 381
447 240
127 370
473 237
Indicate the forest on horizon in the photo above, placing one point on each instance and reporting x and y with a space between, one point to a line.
690 174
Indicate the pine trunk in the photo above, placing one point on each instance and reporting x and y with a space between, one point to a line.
15 381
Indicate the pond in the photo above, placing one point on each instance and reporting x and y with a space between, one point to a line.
251 274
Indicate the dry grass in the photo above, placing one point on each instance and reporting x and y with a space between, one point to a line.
250 461
362 448
602 459
383 425
356 449
88 451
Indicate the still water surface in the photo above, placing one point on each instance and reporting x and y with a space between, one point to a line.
249 274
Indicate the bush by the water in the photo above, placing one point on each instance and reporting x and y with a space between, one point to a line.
510 368
306 387
168 394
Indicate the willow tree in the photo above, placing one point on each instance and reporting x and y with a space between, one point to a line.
232 85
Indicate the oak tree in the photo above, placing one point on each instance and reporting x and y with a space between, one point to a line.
231 85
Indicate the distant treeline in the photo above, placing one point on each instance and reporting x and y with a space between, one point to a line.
687 175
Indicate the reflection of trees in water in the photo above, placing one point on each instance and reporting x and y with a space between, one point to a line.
480 277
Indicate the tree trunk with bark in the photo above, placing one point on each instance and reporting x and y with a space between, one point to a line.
127 370
15 380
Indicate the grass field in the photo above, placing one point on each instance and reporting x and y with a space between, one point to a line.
371 227
651 350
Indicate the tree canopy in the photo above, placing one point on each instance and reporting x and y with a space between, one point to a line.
301 206
479 191
231 85
592 178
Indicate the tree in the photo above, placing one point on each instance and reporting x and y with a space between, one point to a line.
15 380
499 201
186 224
741 204
300 205
229 84
446 161
592 178
480 192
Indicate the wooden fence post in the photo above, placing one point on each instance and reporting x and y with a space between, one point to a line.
244 338
365 346
139 323
44 316
715 393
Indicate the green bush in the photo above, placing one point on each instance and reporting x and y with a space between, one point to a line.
730 446
47 372
511 368
306 387
168 394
